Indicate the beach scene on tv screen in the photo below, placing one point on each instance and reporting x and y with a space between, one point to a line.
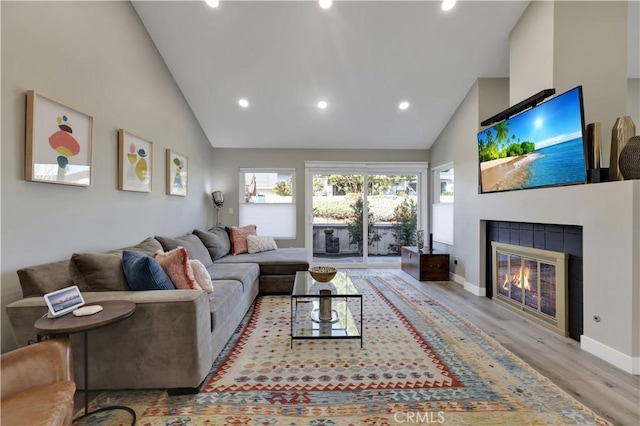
539 147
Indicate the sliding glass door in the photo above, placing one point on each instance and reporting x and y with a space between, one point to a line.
362 217
337 205
393 216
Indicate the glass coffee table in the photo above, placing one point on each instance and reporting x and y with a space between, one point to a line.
330 310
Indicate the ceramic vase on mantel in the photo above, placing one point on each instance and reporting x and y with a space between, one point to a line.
630 159
623 129
594 145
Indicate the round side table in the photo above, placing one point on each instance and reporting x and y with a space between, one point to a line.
113 311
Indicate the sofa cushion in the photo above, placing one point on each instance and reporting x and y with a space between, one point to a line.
258 244
223 301
192 243
42 279
284 261
216 240
149 246
238 235
201 275
276 284
246 273
176 264
98 272
144 272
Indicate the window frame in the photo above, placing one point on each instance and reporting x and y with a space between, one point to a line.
442 211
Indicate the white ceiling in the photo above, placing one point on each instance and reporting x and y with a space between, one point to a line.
362 57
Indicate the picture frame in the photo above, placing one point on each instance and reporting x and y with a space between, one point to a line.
59 143
135 162
177 173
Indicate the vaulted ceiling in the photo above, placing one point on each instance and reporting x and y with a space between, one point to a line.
362 57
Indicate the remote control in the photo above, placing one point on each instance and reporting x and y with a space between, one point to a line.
87 310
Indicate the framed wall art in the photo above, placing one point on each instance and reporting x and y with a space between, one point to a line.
58 142
176 173
135 161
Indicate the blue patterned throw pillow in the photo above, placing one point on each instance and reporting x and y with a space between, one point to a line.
143 272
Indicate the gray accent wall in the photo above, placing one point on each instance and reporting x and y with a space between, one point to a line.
98 58
228 161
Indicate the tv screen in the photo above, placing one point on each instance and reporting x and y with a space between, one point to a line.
542 146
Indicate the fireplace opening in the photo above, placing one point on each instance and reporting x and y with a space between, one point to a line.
554 237
532 282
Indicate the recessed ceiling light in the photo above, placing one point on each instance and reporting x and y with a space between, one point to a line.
403 105
322 105
213 3
243 103
325 4
448 4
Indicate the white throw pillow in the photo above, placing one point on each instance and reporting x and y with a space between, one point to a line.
257 244
201 275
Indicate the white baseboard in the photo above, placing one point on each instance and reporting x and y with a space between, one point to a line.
474 289
624 362
456 278
471 288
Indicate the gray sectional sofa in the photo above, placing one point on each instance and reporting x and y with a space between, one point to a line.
174 336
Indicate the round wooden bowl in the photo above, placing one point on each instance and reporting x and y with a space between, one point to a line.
323 274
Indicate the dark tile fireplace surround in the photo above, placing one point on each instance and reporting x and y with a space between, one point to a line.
560 238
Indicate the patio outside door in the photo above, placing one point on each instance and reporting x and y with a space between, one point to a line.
362 219
337 206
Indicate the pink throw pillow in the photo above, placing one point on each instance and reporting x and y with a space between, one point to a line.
176 264
238 236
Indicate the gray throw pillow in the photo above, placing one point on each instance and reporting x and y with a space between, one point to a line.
149 246
216 240
97 272
41 279
192 243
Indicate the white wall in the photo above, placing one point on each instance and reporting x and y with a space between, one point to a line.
535 62
633 102
590 49
98 58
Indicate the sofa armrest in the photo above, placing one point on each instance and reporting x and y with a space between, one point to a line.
170 331
24 313
36 365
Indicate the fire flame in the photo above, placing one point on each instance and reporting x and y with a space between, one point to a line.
516 281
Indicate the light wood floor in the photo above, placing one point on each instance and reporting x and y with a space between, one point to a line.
607 390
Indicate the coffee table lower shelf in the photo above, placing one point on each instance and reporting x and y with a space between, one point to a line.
306 325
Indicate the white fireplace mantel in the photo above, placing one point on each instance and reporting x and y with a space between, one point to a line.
609 214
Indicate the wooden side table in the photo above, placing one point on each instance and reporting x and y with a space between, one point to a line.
425 266
113 311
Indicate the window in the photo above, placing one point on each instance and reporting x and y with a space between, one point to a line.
443 204
267 200
444 180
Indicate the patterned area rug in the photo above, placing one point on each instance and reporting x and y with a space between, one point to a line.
420 364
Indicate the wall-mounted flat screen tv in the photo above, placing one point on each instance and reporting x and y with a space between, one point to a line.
540 147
